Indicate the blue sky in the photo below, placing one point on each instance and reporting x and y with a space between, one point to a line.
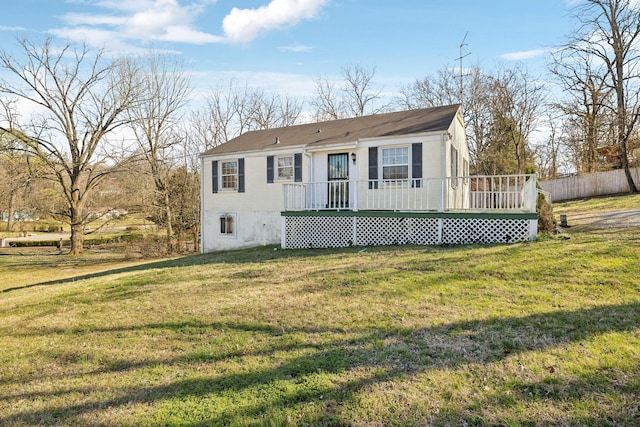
285 44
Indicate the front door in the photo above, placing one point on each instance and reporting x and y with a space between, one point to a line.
338 177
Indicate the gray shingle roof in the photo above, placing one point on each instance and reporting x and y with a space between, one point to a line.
342 131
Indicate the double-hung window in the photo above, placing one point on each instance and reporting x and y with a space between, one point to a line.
229 175
285 167
395 163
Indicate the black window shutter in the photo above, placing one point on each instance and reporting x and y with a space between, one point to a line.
416 163
297 167
373 167
269 169
240 175
214 176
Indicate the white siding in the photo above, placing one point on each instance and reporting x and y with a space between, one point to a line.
257 210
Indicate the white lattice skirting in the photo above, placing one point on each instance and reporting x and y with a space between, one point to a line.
326 231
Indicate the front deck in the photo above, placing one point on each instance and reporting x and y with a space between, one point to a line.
502 193
472 209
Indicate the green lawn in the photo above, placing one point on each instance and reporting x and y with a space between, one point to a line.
541 333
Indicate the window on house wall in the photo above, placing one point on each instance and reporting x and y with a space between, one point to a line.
454 167
285 167
465 169
395 163
229 175
227 225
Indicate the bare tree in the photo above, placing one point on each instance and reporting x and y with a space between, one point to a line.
610 33
290 111
432 91
359 93
191 149
354 96
164 92
185 196
500 111
80 98
586 103
271 110
549 152
15 168
232 109
478 118
215 123
517 100
327 103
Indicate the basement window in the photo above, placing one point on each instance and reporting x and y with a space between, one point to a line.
227 224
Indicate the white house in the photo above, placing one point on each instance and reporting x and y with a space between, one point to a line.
392 178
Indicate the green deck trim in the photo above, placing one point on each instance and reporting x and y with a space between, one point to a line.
392 214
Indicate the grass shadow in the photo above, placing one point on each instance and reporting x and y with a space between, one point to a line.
322 376
245 256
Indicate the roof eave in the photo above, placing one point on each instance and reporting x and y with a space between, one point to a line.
269 149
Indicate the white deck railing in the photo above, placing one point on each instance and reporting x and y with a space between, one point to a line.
504 193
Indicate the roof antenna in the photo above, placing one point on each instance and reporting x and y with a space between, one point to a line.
460 58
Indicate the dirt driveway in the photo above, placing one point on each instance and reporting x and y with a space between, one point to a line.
606 219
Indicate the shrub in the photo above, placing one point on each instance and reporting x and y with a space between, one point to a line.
546 221
48 227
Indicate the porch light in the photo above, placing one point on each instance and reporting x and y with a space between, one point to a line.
353 157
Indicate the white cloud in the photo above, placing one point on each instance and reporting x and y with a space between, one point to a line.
130 6
85 19
154 22
144 21
123 25
103 39
184 34
92 36
244 25
6 28
295 48
526 54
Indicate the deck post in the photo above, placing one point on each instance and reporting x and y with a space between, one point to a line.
442 194
354 185
283 232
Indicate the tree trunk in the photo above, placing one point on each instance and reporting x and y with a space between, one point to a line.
592 160
196 239
624 159
77 238
622 136
12 197
167 209
624 128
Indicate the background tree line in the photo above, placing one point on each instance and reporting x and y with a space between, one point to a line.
104 132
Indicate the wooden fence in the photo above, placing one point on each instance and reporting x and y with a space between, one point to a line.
590 185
